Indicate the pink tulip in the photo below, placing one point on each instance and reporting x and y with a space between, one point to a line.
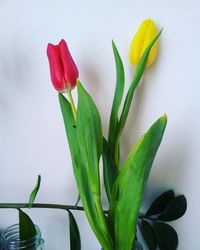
64 72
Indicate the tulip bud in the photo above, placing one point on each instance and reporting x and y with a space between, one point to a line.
145 34
63 70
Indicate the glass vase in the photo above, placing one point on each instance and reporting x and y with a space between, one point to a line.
10 240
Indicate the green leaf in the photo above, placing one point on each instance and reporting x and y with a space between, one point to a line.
34 192
109 169
129 187
75 240
138 74
90 200
166 236
160 204
119 89
89 134
148 235
70 127
26 227
175 209
90 140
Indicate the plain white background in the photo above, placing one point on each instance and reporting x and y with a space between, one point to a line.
32 136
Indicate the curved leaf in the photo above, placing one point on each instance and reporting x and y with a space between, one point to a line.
159 204
26 227
166 236
90 200
129 187
75 240
148 235
126 107
175 210
119 90
89 134
34 192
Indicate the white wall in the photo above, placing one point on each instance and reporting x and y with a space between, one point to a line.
32 136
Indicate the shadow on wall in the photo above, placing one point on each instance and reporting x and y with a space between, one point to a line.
174 167
134 121
92 77
173 161
93 84
169 174
16 70
15 65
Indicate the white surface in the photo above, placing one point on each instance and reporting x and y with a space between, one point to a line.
31 128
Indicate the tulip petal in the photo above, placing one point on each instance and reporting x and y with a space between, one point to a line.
137 43
150 34
56 68
69 66
145 34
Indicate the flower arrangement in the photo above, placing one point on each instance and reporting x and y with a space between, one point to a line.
115 228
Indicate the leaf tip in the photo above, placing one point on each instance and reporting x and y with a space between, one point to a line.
78 82
61 97
79 86
113 43
164 118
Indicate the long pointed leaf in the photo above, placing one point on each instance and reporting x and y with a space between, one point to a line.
34 192
75 239
138 74
26 227
89 134
90 140
89 200
129 187
119 89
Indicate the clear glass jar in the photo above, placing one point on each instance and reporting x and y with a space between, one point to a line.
10 240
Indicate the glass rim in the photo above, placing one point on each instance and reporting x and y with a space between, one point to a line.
6 233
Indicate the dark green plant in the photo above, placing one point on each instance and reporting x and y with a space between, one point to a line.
155 231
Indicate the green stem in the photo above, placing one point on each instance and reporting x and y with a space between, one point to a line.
41 205
55 206
72 103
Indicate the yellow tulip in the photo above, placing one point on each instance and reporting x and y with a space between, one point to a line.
145 34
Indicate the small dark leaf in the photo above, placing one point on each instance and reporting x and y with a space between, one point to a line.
160 204
137 245
175 210
34 192
26 227
148 235
166 236
75 240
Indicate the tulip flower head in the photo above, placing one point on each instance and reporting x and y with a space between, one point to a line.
145 34
63 70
